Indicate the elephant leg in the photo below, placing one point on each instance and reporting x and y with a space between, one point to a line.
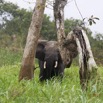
41 77
54 72
61 70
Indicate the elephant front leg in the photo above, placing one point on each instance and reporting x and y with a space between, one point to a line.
61 71
41 77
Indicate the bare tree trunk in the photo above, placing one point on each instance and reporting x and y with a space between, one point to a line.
27 66
59 20
88 67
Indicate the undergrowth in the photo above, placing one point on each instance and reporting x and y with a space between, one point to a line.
50 91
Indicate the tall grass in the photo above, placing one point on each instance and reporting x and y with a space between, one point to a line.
52 91
9 57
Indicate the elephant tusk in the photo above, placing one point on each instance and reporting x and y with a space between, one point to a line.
45 65
56 64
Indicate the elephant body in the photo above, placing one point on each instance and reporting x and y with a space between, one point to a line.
50 61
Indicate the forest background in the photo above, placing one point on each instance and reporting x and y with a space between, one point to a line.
15 22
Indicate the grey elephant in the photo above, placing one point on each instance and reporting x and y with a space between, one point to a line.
50 61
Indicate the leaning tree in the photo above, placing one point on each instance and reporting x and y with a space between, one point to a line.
27 66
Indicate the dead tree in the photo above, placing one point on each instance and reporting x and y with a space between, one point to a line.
87 64
27 66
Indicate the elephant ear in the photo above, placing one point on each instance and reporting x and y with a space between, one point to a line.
40 49
72 47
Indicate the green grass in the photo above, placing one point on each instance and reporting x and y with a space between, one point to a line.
53 91
8 57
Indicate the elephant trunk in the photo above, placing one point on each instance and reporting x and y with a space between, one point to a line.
56 64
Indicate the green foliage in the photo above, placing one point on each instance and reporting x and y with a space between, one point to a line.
97 45
53 91
92 19
48 29
70 24
16 20
7 7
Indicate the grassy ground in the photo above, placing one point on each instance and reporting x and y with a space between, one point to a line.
53 91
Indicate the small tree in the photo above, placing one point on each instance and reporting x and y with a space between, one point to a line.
27 66
59 21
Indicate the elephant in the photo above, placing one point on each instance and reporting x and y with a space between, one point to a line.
50 61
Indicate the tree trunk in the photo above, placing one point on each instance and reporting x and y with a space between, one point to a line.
59 20
88 67
27 66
